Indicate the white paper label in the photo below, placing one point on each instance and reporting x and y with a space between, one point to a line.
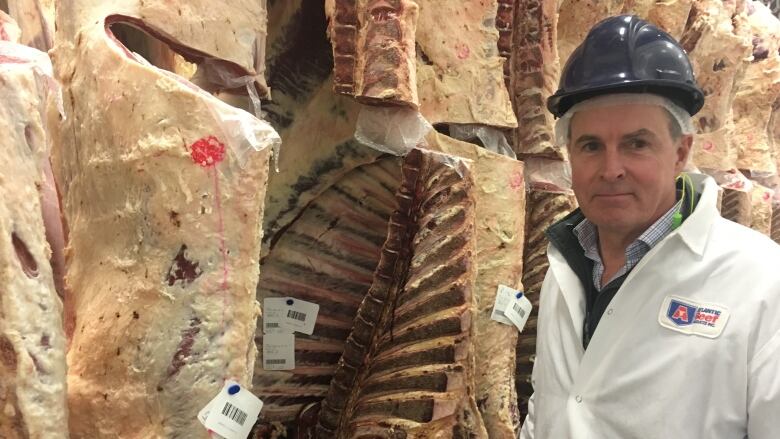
279 351
273 312
300 315
518 310
287 314
504 296
231 416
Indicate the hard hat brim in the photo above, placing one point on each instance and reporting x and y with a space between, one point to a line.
688 96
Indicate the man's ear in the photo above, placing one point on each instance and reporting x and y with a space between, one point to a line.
683 152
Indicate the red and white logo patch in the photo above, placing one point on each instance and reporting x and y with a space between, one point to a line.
689 317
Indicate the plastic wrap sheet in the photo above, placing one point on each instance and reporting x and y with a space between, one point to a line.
490 137
398 130
394 130
548 175
243 131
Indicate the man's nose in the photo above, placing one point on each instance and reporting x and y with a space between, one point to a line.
612 168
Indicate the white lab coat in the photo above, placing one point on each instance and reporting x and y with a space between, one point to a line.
639 379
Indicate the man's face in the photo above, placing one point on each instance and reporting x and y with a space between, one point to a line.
624 163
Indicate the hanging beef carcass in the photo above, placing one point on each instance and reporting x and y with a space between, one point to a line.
717 49
403 52
499 193
164 221
535 72
459 69
408 365
756 93
32 340
373 50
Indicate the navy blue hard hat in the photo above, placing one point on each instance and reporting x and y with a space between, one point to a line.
625 54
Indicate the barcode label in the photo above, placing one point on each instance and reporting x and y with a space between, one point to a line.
276 361
518 310
234 413
504 295
290 315
296 315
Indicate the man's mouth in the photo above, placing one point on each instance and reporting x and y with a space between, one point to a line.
613 195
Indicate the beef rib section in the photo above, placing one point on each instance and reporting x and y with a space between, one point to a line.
373 50
408 363
500 196
326 256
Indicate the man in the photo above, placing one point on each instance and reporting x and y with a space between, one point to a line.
658 318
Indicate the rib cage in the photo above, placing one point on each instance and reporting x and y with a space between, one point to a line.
326 256
544 209
500 205
407 367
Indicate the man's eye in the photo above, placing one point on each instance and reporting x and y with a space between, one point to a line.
637 143
590 147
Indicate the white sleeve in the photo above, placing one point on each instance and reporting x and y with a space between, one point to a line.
527 432
764 391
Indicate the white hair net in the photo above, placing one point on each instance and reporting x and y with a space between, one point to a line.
678 113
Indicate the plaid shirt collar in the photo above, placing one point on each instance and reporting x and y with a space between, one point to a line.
588 236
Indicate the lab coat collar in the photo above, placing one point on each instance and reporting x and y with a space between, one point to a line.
695 230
